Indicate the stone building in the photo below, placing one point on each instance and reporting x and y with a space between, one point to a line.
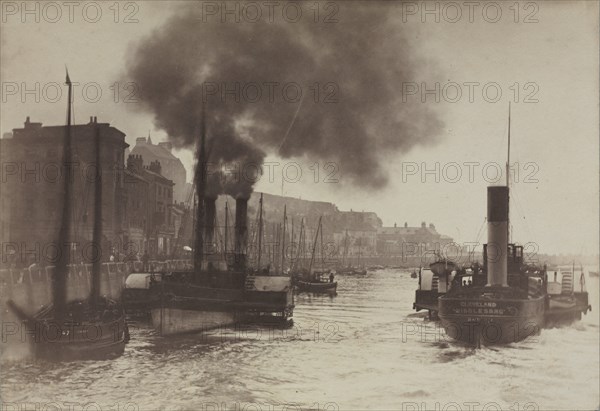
149 208
31 189
397 241
171 167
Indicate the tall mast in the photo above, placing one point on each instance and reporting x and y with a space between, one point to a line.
59 284
226 228
508 176
508 153
345 255
283 237
97 235
322 250
359 244
260 231
199 182
312 257
299 249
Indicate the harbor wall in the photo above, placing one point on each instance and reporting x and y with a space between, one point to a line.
30 288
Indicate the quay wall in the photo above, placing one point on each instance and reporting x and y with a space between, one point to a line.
31 288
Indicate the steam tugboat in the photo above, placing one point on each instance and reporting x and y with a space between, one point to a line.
434 282
565 303
509 300
217 292
92 328
510 306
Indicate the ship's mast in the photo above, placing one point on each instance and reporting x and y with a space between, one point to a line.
226 228
312 257
97 235
283 237
199 182
260 231
508 174
60 274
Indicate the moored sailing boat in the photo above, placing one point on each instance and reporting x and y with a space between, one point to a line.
93 328
312 280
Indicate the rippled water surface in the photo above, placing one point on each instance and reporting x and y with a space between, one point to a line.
363 349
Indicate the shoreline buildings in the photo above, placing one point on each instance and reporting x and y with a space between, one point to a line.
145 208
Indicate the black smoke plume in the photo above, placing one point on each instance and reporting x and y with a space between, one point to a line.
357 64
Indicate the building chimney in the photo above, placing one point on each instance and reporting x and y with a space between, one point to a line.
155 167
405 224
135 163
497 227
423 225
395 225
241 228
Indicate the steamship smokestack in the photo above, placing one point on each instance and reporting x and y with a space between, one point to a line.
241 226
497 246
210 207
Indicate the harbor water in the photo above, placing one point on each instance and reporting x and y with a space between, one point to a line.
362 349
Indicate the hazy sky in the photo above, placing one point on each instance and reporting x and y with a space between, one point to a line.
551 62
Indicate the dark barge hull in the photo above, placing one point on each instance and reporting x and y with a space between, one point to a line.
479 320
427 300
100 335
565 310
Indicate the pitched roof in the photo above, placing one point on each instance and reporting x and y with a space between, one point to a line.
153 152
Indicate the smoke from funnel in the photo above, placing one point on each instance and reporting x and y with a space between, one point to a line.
349 75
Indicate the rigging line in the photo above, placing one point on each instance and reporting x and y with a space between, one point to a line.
480 230
530 231
291 124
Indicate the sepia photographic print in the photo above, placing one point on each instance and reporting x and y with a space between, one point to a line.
315 205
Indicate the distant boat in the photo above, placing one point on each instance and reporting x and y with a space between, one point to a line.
317 287
346 268
565 301
434 282
311 280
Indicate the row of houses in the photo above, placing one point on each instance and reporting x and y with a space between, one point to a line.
140 212
146 202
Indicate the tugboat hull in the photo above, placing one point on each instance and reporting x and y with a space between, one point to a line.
172 320
479 321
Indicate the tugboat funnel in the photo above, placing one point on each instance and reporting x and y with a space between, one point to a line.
210 205
497 245
241 228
